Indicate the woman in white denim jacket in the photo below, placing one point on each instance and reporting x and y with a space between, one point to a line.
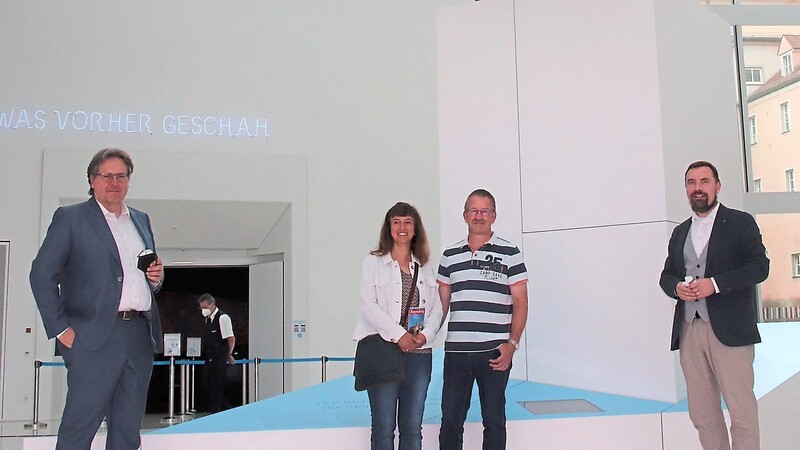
385 284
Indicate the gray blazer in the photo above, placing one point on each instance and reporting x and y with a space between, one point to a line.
76 277
738 261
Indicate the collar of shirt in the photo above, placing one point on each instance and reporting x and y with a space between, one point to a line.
707 219
213 314
109 215
387 259
492 240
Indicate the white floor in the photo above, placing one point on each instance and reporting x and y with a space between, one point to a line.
332 416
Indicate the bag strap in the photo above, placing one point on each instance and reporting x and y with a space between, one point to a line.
404 317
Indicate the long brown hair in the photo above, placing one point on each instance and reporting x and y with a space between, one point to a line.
419 243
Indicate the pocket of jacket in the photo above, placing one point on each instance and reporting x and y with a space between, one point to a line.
427 290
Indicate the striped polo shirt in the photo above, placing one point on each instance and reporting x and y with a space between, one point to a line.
481 303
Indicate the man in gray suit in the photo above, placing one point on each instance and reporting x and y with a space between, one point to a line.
99 303
714 261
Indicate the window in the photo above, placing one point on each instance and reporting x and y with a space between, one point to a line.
785 123
789 180
770 164
752 75
786 64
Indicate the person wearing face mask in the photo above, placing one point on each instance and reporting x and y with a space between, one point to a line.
218 343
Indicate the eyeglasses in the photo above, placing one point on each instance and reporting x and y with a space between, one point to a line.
476 211
109 177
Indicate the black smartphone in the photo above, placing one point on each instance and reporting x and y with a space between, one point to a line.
146 257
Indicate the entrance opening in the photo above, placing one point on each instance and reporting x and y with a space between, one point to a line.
177 304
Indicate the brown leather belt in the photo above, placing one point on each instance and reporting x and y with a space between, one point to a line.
130 314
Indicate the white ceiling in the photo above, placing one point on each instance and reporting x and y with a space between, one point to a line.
216 225
213 225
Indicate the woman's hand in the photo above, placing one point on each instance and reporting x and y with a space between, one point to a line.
407 343
420 339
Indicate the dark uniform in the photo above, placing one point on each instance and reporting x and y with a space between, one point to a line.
215 352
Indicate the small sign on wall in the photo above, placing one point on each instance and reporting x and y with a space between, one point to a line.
299 329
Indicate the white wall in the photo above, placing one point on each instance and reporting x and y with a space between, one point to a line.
478 129
579 116
585 136
267 331
348 86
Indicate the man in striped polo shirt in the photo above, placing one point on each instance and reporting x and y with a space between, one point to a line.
483 282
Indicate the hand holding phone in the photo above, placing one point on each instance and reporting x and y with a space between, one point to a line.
145 258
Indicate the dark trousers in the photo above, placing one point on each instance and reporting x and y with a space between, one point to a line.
461 371
214 373
111 382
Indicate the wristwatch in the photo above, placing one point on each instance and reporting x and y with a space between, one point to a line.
514 343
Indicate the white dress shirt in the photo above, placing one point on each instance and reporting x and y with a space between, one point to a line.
700 232
135 286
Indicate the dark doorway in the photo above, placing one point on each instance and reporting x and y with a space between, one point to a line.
177 304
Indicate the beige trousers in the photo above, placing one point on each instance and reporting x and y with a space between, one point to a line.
711 369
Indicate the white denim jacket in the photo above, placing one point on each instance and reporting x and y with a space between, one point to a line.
381 299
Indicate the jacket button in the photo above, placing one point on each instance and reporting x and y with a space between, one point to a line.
119 279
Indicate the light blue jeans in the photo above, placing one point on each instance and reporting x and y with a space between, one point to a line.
401 404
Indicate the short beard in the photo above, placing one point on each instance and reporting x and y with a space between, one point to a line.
704 207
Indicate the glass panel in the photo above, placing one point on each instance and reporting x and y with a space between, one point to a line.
780 292
572 406
774 147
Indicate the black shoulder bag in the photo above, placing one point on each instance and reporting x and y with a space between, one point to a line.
379 361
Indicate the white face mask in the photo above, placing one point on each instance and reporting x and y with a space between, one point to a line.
206 312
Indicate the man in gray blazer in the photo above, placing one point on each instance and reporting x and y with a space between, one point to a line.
101 307
714 261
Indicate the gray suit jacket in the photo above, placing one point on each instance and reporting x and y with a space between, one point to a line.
738 261
76 277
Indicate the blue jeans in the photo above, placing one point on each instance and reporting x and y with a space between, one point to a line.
461 370
402 404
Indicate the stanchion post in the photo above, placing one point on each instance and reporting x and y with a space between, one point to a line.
35 425
186 390
324 368
244 383
192 383
255 378
171 419
183 391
